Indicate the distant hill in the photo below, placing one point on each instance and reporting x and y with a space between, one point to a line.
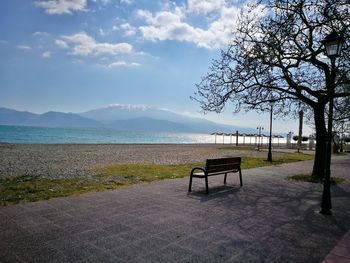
149 124
48 119
59 119
120 117
13 117
115 114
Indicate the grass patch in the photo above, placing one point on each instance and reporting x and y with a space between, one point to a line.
239 148
30 188
254 162
308 178
135 173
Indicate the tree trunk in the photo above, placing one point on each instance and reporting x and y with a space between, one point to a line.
321 143
300 134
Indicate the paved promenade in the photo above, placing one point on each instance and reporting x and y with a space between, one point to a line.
269 219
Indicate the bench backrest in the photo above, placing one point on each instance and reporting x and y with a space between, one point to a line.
223 164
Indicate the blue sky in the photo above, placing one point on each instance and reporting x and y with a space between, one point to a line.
76 55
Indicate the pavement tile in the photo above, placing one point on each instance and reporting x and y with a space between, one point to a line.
81 252
253 256
132 235
268 220
150 258
15 211
175 234
342 251
152 229
335 259
31 218
65 242
91 235
46 232
203 257
13 234
345 240
116 229
195 243
226 250
6 256
129 252
174 253
76 228
43 254
109 243
152 243
102 258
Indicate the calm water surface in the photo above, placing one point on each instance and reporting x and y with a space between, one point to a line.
23 134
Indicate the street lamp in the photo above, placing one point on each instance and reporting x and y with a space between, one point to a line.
269 154
259 128
342 136
333 45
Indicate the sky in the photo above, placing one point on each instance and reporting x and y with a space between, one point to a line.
77 55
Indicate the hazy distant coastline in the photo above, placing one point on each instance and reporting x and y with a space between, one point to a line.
118 117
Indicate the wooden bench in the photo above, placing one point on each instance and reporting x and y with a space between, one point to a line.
215 167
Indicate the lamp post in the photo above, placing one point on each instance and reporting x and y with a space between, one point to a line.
259 128
342 136
333 44
269 154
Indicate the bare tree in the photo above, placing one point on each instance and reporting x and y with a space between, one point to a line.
278 55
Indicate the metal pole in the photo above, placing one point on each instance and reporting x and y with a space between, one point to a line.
326 205
342 137
269 155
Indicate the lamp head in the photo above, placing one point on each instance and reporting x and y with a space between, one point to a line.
333 44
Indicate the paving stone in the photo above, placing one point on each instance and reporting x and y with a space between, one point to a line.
130 252
152 243
81 252
109 243
269 219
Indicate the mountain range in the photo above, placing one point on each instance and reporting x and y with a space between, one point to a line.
120 117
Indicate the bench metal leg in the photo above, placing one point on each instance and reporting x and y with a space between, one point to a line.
225 178
206 185
240 177
190 184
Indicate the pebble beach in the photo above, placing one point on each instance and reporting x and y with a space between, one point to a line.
79 160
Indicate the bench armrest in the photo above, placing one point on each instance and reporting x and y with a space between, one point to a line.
198 168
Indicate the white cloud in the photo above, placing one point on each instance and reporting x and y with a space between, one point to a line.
58 7
46 54
173 24
204 6
102 32
168 25
83 45
38 33
24 47
128 2
61 44
122 63
129 29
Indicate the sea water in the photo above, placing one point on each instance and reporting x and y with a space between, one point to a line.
43 135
